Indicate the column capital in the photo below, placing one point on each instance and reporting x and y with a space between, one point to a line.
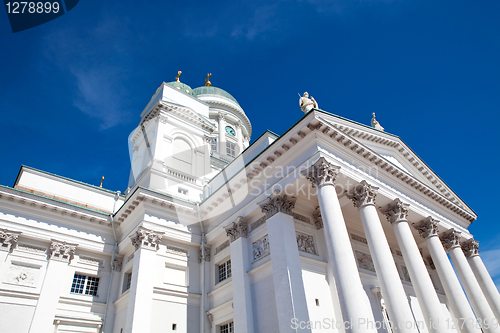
237 229
222 116
204 254
322 173
450 239
8 239
277 203
62 251
146 238
396 211
363 194
470 248
318 220
427 227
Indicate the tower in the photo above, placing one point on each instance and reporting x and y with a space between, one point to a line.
185 137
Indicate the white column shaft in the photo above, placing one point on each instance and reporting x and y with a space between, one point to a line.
287 273
457 301
222 136
354 302
487 285
420 279
43 318
387 273
140 299
242 298
239 135
473 291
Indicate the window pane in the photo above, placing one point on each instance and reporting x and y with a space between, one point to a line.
92 284
78 283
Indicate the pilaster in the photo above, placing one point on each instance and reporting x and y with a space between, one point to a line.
240 264
60 256
140 299
289 290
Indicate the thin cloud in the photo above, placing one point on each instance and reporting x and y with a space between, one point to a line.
491 259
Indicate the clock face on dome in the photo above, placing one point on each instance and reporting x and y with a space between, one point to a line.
230 131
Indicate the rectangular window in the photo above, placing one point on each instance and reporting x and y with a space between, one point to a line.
182 191
224 270
83 284
228 328
213 144
230 149
127 281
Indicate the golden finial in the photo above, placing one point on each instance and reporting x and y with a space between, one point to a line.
177 77
207 80
101 181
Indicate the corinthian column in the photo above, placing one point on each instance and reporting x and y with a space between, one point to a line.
240 264
140 299
471 250
397 304
460 308
354 302
397 214
484 314
222 134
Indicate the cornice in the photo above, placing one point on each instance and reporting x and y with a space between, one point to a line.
53 206
284 143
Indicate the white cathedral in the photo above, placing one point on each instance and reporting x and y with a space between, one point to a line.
333 226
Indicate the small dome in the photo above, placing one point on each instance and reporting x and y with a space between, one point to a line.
211 90
181 86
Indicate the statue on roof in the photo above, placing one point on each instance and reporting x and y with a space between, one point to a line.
376 124
306 103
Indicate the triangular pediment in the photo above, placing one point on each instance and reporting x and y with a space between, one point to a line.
390 152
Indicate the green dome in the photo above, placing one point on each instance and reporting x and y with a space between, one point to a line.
211 90
181 86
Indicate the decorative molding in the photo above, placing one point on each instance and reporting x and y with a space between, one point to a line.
223 245
450 239
364 261
91 261
261 248
146 238
117 264
359 239
318 220
205 253
302 218
22 274
31 248
363 194
8 239
162 119
322 173
396 211
305 243
277 203
470 248
258 223
427 227
177 250
62 251
237 229
405 275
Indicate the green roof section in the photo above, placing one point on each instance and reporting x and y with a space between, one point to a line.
181 86
211 90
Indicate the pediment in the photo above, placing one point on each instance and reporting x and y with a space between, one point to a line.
390 152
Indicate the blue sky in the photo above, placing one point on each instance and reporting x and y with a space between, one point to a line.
72 90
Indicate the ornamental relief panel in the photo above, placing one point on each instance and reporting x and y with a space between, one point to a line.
22 274
305 243
261 248
364 261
